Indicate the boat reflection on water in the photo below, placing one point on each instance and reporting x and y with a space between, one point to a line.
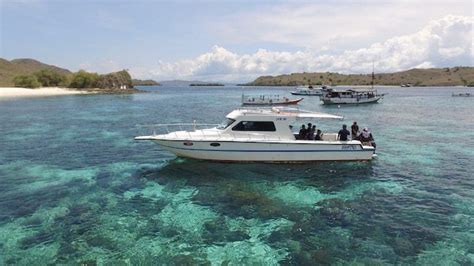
261 191
327 175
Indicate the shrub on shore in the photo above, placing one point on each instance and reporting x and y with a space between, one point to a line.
26 81
83 79
49 78
79 80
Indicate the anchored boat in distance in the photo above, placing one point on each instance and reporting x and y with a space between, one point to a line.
350 96
260 135
308 91
268 100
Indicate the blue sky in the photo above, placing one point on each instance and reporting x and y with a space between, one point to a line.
134 30
237 40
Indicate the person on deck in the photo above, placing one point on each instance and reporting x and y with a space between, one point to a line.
319 135
367 138
343 133
302 133
355 130
311 132
308 129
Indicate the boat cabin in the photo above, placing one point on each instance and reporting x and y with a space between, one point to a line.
350 93
272 123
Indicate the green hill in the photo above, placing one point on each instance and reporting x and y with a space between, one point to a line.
455 76
204 84
146 82
16 67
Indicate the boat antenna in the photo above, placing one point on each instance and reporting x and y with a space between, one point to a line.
373 75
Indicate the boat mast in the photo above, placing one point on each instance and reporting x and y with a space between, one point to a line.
373 75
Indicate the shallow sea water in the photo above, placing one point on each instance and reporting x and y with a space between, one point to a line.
76 188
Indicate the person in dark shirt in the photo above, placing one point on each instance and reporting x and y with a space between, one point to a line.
343 133
355 130
302 133
319 135
310 135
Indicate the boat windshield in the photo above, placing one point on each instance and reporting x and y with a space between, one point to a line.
226 123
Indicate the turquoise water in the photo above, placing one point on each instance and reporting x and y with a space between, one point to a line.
76 188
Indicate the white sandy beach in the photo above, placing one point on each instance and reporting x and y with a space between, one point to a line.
13 92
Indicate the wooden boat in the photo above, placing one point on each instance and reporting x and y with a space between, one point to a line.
262 100
350 96
308 91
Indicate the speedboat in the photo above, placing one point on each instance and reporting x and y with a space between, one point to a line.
268 100
350 96
308 91
261 135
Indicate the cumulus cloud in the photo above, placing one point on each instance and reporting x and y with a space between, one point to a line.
335 25
443 42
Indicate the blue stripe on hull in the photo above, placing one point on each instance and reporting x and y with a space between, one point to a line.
180 148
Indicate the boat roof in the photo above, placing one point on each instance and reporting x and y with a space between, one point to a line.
281 112
352 90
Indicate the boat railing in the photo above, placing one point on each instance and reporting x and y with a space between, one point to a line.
189 130
273 109
158 129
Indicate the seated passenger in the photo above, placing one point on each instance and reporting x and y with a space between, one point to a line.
366 138
310 134
302 133
343 133
319 135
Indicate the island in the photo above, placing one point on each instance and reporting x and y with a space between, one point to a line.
31 74
146 82
455 76
206 84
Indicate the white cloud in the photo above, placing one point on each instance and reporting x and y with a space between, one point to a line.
335 26
101 66
443 42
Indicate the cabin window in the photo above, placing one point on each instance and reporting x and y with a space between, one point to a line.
226 123
255 126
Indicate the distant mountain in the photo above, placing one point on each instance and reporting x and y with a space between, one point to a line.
455 76
206 84
147 82
184 83
24 66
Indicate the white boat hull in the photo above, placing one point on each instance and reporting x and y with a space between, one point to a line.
265 102
347 100
315 93
251 151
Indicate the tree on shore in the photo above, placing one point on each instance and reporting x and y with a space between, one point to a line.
26 81
79 80
83 79
49 78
